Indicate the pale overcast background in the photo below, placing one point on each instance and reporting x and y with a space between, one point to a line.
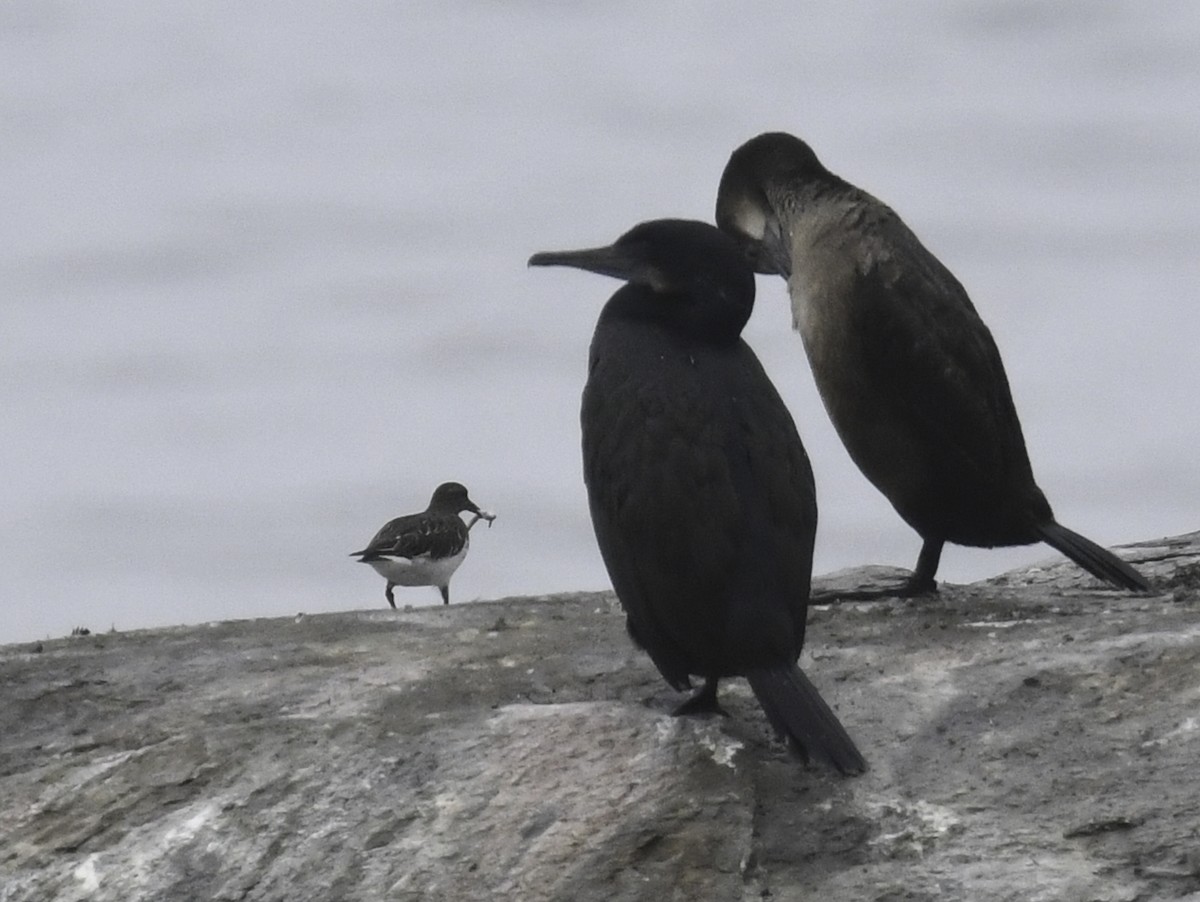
264 278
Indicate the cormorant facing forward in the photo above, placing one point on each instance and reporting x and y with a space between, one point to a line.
425 549
700 492
908 372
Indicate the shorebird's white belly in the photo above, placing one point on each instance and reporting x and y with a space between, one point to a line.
418 571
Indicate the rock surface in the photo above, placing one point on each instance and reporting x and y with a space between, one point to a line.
1034 737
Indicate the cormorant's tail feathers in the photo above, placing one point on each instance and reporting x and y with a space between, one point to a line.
797 712
1098 561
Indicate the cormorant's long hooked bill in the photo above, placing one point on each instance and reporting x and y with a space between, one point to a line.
607 261
775 256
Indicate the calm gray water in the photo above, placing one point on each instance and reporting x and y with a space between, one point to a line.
265 286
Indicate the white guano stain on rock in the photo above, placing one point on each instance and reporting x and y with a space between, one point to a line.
722 751
86 874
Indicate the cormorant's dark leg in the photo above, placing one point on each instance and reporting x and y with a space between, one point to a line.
922 580
445 590
702 702
391 598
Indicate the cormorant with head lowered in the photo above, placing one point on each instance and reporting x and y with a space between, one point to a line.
908 371
700 491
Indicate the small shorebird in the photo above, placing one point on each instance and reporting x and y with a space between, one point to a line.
425 549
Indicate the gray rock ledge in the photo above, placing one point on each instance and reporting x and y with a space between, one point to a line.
1033 737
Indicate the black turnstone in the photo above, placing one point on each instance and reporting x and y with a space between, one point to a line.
908 371
700 492
425 549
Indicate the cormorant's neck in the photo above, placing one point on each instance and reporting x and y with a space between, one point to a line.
790 198
714 315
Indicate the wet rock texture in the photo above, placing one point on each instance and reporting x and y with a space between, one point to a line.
1034 737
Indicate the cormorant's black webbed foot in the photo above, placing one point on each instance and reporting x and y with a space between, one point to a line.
879 583
702 702
915 585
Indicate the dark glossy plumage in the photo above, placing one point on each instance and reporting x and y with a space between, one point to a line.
909 373
414 535
700 491
424 549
